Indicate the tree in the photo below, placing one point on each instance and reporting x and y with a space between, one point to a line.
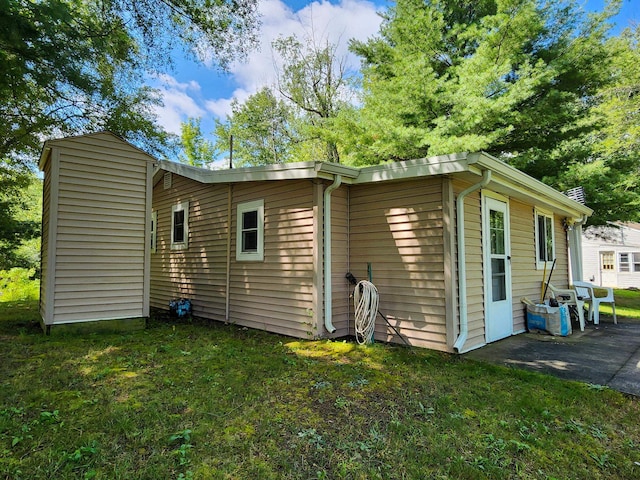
70 66
511 77
609 168
19 216
74 66
197 151
263 129
316 81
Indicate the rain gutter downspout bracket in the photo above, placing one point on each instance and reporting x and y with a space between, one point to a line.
462 268
328 297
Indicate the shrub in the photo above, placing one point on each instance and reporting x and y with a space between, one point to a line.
18 284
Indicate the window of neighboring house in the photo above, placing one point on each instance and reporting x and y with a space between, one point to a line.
180 226
629 262
250 234
545 238
154 231
607 260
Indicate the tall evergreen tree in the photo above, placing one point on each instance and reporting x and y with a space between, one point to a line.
511 77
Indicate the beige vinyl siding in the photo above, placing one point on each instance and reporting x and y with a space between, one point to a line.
198 272
276 294
560 276
44 245
101 221
398 228
342 320
474 266
526 278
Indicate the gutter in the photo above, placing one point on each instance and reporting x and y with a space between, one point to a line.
462 267
328 291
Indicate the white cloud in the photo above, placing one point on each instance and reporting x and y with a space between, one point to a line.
179 101
319 20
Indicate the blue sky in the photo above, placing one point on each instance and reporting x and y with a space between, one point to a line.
199 90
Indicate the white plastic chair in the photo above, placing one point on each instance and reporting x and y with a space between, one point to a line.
568 296
585 290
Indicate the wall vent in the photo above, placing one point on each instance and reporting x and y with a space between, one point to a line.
167 180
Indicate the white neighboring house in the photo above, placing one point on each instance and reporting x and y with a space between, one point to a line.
611 255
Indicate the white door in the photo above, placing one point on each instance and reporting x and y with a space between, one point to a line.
497 268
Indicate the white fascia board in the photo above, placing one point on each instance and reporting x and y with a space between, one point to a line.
513 179
423 167
287 171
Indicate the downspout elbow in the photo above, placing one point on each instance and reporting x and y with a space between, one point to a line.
328 297
462 269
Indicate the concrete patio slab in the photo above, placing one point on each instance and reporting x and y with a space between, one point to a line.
605 354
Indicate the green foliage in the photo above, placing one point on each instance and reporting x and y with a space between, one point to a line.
504 76
20 210
263 130
196 150
18 284
610 171
73 66
315 80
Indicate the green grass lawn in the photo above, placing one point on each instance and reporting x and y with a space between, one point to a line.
209 401
627 304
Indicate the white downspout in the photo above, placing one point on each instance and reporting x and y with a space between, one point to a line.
575 249
328 300
462 267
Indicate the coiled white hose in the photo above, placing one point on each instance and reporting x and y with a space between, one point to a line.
365 303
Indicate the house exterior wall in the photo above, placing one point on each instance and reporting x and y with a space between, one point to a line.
97 219
398 229
597 240
474 264
44 245
276 294
198 272
342 304
526 278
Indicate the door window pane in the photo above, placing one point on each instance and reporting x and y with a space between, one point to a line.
498 279
496 228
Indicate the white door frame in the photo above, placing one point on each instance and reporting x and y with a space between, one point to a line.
498 314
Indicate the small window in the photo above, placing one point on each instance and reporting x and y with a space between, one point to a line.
607 260
623 262
250 235
154 231
636 261
545 238
180 226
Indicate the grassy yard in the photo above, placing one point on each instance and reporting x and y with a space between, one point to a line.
627 304
208 401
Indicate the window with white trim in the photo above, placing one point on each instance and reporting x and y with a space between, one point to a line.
180 226
629 262
545 238
154 231
250 232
